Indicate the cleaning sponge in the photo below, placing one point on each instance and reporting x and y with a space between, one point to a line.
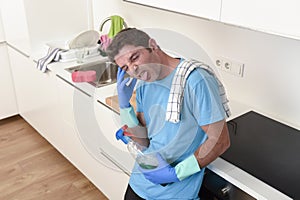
84 76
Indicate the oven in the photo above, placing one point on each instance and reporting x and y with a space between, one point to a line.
215 187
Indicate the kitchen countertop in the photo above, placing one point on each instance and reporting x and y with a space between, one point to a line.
231 173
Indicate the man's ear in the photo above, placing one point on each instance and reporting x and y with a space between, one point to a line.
152 44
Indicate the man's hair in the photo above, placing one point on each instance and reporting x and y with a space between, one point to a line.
128 36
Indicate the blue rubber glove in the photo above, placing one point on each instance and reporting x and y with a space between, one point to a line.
162 174
124 91
165 173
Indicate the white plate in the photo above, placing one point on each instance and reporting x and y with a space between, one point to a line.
58 44
85 39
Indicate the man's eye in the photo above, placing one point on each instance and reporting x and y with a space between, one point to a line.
125 68
135 57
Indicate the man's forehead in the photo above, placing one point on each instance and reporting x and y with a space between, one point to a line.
127 51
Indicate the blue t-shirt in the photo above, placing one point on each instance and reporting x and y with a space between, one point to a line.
201 105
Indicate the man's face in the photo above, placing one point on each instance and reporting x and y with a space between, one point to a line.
139 62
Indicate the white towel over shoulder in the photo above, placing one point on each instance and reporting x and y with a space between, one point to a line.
178 85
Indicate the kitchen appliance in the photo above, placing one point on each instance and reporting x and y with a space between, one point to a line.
215 187
266 149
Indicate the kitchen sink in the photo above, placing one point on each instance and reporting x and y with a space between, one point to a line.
106 72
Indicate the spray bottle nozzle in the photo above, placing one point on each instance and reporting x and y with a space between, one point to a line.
120 135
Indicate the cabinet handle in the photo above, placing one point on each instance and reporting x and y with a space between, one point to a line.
87 94
114 162
103 104
17 50
225 190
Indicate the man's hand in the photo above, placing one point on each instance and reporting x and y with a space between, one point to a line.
165 173
124 91
162 174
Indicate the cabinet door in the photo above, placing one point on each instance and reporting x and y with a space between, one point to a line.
277 17
109 122
8 106
200 8
36 94
84 145
15 24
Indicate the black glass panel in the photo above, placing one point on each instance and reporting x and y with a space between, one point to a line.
215 187
266 149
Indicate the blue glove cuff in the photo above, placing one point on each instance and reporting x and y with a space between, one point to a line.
128 117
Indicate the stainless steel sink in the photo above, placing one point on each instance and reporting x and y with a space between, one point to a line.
106 72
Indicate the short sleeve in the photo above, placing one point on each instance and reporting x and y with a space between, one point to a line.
139 106
205 101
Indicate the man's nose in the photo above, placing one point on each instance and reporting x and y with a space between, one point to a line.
133 69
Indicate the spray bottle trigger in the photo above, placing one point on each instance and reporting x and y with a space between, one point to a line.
120 136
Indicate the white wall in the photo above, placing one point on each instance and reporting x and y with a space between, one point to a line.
2 37
29 24
55 20
272 63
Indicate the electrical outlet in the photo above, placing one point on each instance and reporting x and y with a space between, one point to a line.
227 65
230 66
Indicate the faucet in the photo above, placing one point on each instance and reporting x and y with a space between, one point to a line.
106 20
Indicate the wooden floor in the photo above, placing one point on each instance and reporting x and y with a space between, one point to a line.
30 168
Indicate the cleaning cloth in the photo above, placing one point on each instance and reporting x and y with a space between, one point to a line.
105 41
53 55
116 26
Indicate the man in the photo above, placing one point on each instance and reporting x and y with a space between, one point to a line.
181 104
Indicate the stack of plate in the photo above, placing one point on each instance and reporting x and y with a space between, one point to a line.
87 40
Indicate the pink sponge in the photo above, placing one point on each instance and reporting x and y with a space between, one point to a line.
84 76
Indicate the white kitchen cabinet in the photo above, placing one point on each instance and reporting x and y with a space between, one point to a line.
274 17
117 150
200 8
47 103
277 17
84 144
8 106
36 94
15 24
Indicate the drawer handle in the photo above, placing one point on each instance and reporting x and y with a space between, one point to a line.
225 190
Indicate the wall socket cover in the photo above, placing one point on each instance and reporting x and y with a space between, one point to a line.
230 66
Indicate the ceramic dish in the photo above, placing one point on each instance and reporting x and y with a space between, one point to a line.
85 39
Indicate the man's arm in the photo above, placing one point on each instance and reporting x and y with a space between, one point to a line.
218 142
141 139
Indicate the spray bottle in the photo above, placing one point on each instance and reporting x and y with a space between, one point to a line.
145 160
